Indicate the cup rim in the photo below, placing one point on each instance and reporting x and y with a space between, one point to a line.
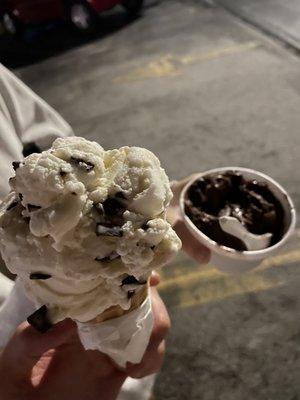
227 251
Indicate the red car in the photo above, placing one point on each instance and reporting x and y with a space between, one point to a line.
82 13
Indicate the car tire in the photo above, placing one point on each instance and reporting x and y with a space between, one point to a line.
133 7
82 16
11 24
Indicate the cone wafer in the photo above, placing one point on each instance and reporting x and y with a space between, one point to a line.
116 311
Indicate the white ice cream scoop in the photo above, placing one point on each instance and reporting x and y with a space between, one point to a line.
235 228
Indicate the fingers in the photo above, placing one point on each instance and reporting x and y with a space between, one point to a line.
162 322
27 345
179 185
151 363
190 244
30 340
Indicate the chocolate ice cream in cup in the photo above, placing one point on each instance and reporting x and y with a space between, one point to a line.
258 202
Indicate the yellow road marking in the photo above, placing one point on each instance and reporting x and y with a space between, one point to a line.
157 68
212 272
234 290
167 65
219 286
287 258
204 272
219 53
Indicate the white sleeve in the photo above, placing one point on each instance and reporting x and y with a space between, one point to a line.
32 118
6 286
16 308
24 118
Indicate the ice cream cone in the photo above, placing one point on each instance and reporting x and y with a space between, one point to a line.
121 334
116 311
83 227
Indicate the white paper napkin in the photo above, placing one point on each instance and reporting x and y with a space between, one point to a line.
124 339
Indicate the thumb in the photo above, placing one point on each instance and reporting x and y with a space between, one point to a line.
154 278
191 245
27 346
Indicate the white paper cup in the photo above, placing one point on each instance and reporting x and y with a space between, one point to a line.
228 259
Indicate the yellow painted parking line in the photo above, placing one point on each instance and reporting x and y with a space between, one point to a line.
226 51
211 272
215 285
169 65
254 286
155 69
285 258
203 273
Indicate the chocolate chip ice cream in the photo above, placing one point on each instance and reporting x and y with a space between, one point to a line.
83 227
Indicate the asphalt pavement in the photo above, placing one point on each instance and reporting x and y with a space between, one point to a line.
201 87
277 18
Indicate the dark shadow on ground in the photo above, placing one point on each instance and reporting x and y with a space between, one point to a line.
41 42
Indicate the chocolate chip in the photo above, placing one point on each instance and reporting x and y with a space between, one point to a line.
74 193
152 247
86 165
130 294
40 320
26 219
112 256
103 230
113 207
20 196
99 208
145 226
32 207
106 259
30 148
131 280
39 275
16 164
120 195
12 205
62 173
